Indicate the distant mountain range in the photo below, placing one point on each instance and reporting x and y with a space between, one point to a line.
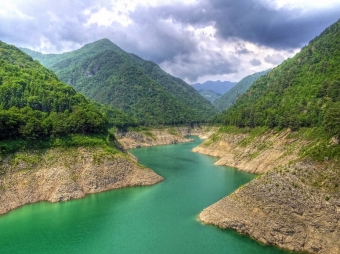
109 75
218 86
229 98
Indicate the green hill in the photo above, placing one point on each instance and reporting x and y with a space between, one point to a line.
107 74
303 91
230 97
36 105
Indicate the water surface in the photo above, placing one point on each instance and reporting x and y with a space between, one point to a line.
153 219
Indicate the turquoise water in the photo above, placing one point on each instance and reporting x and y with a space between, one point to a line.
153 219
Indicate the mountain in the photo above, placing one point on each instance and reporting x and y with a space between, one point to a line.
303 91
107 74
229 98
301 94
209 95
34 104
218 86
291 135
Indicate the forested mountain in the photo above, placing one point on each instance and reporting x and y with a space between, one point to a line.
218 86
303 91
229 98
35 104
107 74
209 95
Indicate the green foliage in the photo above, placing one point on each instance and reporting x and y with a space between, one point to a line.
230 97
107 74
71 140
35 105
302 92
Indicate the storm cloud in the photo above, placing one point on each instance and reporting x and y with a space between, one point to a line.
195 40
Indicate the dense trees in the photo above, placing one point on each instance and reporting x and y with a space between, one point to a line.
107 74
35 104
302 92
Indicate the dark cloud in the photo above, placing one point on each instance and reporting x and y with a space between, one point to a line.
255 62
255 21
161 33
193 66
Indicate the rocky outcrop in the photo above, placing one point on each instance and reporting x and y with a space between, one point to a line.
63 174
252 154
295 204
164 136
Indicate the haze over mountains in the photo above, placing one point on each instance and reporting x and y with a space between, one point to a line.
218 86
107 74
229 98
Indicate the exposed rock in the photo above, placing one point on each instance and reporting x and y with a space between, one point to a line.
137 139
63 174
257 156
294 205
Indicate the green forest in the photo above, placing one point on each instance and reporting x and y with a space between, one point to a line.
303 91
35 105
108 75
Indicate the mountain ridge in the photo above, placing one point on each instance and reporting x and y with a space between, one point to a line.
229 98
104 72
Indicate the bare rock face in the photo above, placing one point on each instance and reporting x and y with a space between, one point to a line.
255 155
279 209
136 139
64 174
294 205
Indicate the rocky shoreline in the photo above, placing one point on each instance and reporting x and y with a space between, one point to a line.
295 204
164 136
64 174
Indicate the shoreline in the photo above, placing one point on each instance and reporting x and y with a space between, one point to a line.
290 204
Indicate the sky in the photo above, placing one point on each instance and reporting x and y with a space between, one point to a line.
196 40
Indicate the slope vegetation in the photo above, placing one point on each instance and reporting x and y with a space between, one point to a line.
54 143
230 97
107 74
302 92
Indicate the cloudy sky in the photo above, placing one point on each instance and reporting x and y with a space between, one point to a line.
196 40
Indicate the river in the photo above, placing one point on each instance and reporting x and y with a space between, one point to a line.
153 219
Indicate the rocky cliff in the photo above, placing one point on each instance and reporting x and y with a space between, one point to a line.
295 204
254 154
154 137
62 174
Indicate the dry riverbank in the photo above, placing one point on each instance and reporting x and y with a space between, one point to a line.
163 136
295 204
62 174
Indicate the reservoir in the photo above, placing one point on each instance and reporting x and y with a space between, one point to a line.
152 219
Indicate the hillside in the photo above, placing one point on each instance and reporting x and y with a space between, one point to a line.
107 74
229 98
303 91
218 86
54 143
209 95
290 119
35 104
